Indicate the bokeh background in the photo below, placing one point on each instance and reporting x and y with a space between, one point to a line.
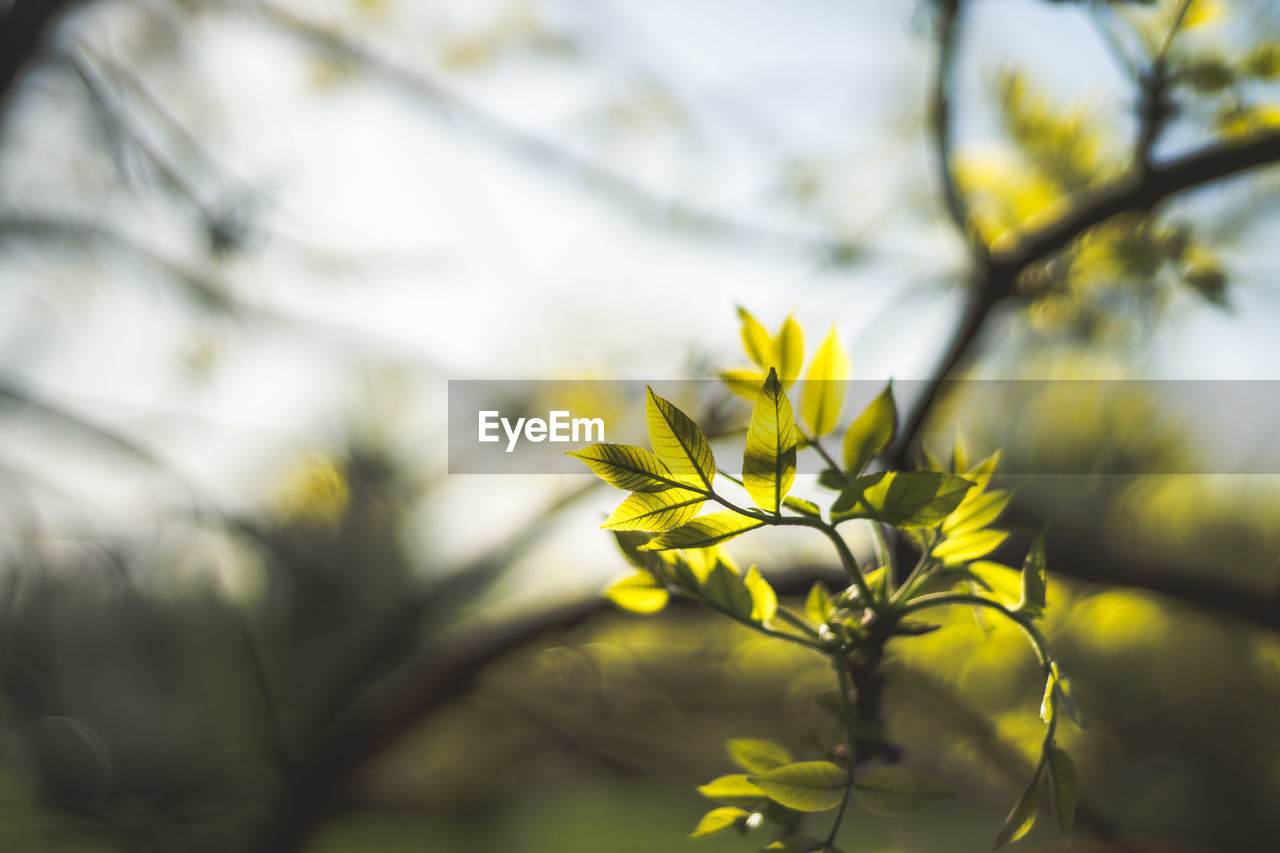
244 245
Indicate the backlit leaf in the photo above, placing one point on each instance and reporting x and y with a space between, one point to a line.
818 606
896 790
769 461
824 384
1033 580
678 442
1062 788
655 511
639 593
1023 815
742 381
757 756
802 506
724 587
631 468
734 789
871 432
718 820
764 601
703 531
806 786
797 844
977 510
968 546
904 499
756 341
788 352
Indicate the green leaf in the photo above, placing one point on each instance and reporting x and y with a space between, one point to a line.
981 473
818 606
769 461
977 510
968 546
904 499
802 506
1033 581
724 587
718 820
757 756
823 394
639 593
1062 788
895 790
678 442
832 479
871 432
764 601
703 531
1048 707
631 468
806 786
1023 815
629 542
655 511
1067 697
734 789
755 340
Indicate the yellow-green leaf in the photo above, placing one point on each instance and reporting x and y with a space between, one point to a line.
904 499
802 506
742 381
736 788
703 531
977 510
631 468
871 432
968 546
806 786
769 461
725 589
678 442
798 844
1062 788
757 756
1023 815
981 473
896 790
764 601
655 511
818 606
639 593
823 394
756 341
788 352
1034 581
718 820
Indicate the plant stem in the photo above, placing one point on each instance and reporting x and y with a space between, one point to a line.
756 626
847 712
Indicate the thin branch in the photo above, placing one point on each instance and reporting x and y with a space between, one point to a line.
436 94
1155 108
940 125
